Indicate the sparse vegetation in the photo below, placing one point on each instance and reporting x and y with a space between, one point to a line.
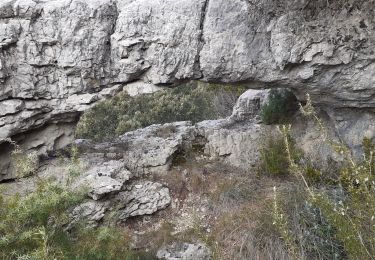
306 232
274 158
193 101
247 225
25 164
32 226
281 106
35 226
348 208
239 216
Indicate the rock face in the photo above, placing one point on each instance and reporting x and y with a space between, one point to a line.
104 179
113 190
249 104
148 149
53 60
143 198
235 143
58 57
184 251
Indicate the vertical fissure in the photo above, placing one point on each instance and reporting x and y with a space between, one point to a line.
197 68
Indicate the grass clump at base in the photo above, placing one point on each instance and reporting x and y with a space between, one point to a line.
39 225
193 101
303 227
274 157
34 227
31 226
281 106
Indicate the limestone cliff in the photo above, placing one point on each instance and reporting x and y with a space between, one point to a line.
57 57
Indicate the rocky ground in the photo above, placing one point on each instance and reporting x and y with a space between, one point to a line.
192 209
177 189
170 186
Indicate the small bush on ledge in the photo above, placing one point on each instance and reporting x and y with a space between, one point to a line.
193 101
281 106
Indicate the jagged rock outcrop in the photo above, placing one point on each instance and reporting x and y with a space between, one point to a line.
91 211
112 190
142 198
58 57
145 150
130 200
104 179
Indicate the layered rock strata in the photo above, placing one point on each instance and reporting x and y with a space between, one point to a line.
58 57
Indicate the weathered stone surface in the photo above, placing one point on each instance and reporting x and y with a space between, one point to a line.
157 41
234 143
249 104
148 149
100 186
154 146
52 55
91 211
236 140
318 47
142 198
184 251
50 138
10 107
139 87
104 179
58 57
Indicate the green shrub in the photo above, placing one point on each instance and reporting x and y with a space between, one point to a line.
34 227
274 158
103 243
29 225
189 102
281 106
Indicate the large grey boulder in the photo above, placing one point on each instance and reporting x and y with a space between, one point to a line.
91 211
236 140
237 144
249 104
